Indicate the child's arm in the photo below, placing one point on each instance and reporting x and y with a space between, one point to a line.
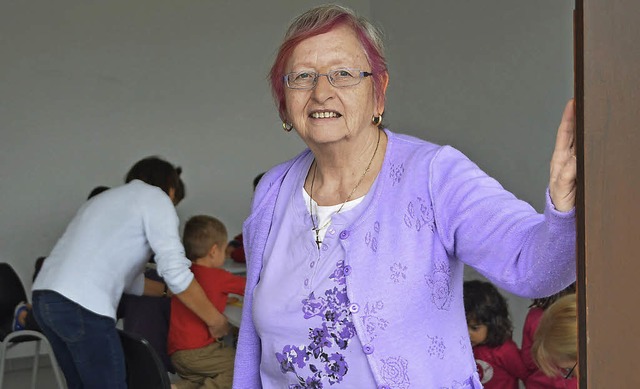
530 325
235 284
512 361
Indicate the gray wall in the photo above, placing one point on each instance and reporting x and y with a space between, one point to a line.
489 77
87 88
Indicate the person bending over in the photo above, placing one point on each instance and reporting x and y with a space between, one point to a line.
102 252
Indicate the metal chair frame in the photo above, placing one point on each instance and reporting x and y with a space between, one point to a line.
12 292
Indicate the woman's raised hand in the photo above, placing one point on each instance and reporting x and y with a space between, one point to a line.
562 180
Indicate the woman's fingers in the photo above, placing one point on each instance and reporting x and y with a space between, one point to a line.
565 139
562 180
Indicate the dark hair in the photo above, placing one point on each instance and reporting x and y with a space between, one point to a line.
200 234
485 305
154 171
97 190
37 266
257 179
545 302
181 190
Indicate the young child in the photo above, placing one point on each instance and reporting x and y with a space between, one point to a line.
199 359
496 354
555 345
537 379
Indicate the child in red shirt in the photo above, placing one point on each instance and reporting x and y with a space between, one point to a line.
199 359
490 329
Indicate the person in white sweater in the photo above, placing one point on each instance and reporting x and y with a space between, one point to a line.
102 254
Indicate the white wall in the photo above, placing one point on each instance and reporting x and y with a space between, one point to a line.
87 88
489 77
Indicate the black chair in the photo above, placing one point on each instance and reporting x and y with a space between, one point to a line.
145 370
148 317
11 293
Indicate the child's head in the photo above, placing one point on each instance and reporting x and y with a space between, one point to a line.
545 302
487 314
157 172
555 343
205 240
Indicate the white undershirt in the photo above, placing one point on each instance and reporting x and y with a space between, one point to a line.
322 213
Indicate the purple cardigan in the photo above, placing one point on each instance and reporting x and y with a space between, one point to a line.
430 211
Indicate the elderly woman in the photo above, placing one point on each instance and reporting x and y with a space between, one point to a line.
356 247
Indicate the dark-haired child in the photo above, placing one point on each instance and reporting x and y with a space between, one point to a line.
497 356
537 379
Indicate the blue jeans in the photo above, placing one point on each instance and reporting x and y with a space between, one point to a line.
86 345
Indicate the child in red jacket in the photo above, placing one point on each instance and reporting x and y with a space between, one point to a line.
497 356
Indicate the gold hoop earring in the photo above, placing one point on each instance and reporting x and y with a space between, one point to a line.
287 126
376 120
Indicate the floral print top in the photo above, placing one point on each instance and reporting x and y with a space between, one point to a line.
301 306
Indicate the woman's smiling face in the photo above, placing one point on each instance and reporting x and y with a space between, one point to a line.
325 113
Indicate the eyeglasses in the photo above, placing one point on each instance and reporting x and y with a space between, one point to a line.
568 372
339 78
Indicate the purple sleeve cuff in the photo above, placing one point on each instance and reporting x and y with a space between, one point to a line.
551 210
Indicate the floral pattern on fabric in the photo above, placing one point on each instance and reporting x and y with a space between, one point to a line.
395 173
436 347
467 384
440 284
371 320
371 239
398 272
394 372
320 360
464 343
419 214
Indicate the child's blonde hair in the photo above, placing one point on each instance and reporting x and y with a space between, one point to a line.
556 339
201 232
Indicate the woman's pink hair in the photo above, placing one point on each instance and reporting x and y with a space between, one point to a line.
318 21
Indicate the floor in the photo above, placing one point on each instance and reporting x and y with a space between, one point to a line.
18 374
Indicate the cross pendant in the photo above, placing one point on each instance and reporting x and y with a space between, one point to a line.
318 241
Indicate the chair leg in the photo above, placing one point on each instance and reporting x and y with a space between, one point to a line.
3 353
36 362
56 368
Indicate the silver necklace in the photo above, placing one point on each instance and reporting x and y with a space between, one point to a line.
316 228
